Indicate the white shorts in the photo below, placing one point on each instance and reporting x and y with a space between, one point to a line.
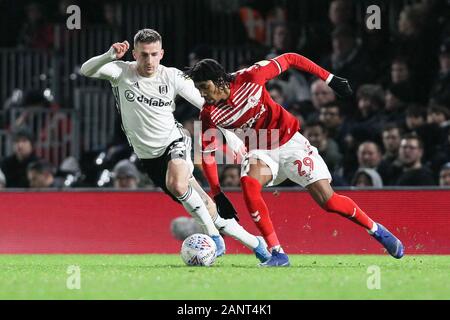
296 160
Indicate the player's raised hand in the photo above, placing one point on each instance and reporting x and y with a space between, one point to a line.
341 87
121 48
224 207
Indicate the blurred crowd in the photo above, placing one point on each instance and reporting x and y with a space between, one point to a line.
394 131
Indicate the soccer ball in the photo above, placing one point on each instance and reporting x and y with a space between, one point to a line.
198 250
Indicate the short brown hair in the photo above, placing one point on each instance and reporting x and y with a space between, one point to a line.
147 36
413 136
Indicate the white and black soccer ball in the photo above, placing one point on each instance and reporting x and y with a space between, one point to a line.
198 250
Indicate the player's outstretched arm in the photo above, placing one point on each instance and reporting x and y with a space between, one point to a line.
100 66
294 60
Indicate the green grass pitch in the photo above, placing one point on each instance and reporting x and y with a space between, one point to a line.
231 277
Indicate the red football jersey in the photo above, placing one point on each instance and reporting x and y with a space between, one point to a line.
250 111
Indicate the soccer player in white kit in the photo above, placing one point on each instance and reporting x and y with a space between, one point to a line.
145 91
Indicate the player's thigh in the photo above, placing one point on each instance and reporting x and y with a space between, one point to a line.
302 162
260 165
179 163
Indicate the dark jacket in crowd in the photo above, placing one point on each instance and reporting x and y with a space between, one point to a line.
16 171
416 177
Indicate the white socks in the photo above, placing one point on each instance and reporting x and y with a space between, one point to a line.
232 228
194 204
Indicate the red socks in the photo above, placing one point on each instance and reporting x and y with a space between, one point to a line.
258 210
342 205
348 208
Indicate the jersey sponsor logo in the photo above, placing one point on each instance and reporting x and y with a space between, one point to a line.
252 101
131 96
163 89
250 122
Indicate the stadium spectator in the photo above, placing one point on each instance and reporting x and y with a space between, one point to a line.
321 94
431 134
400 70
397 97
366 177
316 34
368 121
442 153
415 45
69 173
276 93
444 175
41 175
231 175
15 166
111 15
415 118
183 227
438 115
391 137
36 32
317 135
331 115
441 85
2 180
347 58
281 39
369 155
125 175
340 12
413 173
258 17
293 82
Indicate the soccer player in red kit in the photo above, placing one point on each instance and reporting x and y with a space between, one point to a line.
276 149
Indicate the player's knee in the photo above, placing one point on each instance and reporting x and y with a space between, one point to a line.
177 187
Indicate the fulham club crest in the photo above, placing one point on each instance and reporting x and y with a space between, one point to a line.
163 89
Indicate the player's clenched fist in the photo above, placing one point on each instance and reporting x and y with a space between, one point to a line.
120 48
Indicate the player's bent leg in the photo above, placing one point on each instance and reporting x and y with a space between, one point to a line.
251 184
177 182
330 201
231 227
177 177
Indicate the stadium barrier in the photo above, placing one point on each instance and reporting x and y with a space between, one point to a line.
138 222
56 132
26 69
97 113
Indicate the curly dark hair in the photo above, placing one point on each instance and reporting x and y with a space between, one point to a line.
209 69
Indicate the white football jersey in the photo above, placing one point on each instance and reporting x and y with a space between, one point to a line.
146 104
